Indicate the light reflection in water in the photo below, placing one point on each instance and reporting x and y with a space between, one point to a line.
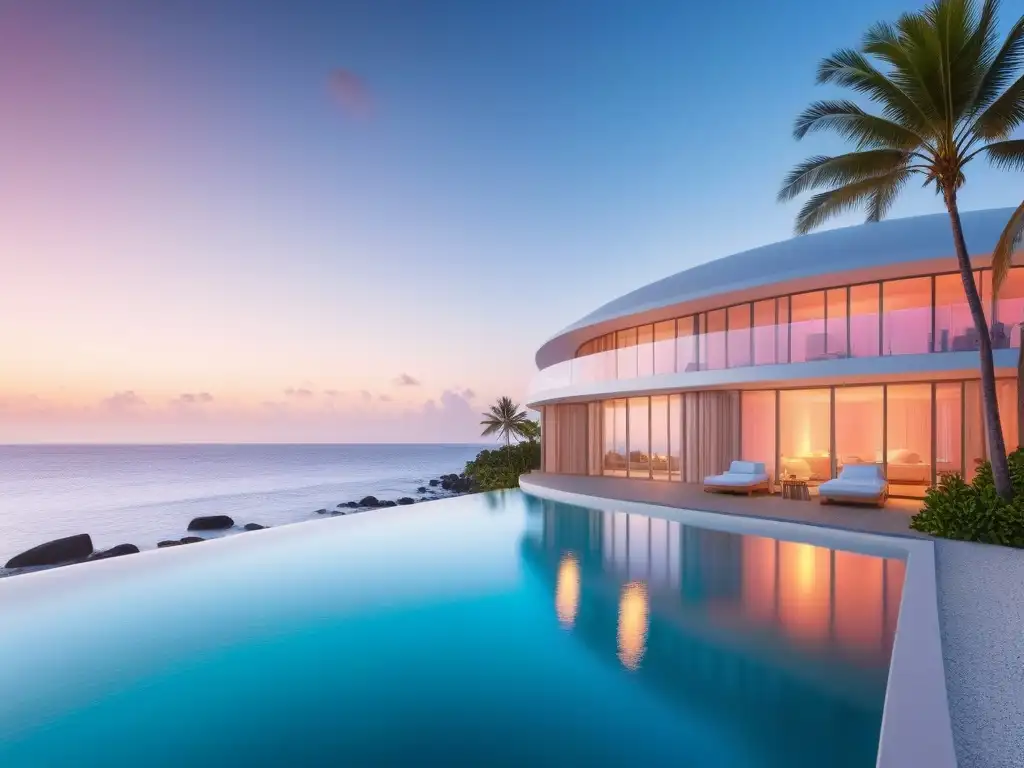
567 590
632 624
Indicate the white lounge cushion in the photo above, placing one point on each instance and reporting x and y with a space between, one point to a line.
746 468
862 473
736 479
858 481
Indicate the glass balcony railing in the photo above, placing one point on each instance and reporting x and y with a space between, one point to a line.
903 332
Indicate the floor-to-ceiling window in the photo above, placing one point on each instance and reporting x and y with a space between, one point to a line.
807 327
1009 313
906 316
859 426
615 443
805 434
836 323
675 436
739 336
1006 396
713 340
625 358
639 437
757 423
645 350
865 333
909 438
782 329
765 350
975 450
948 428
665 347
659 437
954 326
686 344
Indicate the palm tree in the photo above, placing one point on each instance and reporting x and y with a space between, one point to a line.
948 91
505 420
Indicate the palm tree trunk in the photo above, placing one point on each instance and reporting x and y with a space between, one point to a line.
993 428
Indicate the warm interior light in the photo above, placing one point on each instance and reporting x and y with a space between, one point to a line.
567 590
632 624
805 568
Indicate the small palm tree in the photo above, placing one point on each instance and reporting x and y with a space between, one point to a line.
948 92
505 420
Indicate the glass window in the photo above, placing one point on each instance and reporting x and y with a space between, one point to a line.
665 347
948 429
764 332
686 345
906 316
1009 311
1006 396
974 429
805 433
675 436
835 323
739 336
859 419
909 439
782 330
615 437
645 350
807 327
625 343
639 437
954 326
659 437
713 346
757 418
864 333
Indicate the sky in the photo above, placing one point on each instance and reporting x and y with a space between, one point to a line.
248 220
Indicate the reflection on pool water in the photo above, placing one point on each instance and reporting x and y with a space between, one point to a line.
486 630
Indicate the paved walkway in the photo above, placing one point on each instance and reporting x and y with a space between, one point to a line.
981 614
892 520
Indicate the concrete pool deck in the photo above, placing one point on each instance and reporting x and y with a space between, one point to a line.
917 721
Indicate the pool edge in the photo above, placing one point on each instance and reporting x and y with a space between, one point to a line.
916 726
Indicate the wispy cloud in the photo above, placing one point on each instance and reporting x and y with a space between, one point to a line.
405 380
300 393
121 400
331 392
365 395
468 393
192 398
385 398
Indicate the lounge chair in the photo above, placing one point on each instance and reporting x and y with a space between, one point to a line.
856 484
742 477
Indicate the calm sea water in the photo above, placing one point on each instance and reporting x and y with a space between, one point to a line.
490 629
142 494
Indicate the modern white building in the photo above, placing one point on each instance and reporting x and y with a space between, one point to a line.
854 345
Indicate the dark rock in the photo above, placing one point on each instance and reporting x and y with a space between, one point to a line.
406 500
168 543
369 501
191 540
211 523
120 549
258 527
421 489
321 512
434 482
54 552
351 504
387 504
446 484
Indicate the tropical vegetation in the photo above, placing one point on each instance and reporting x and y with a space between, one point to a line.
506 421
495 469
947 91
975 511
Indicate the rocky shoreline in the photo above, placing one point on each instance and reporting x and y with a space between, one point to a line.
79 548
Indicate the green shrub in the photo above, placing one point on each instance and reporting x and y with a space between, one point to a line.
501 468
973 511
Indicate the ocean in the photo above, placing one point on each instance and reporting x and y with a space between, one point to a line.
141 494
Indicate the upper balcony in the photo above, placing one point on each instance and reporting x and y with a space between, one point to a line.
915 316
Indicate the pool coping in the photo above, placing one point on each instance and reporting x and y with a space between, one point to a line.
916 724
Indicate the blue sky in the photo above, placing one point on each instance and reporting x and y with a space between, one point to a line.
201 216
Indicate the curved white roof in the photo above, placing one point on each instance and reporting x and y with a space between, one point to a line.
866 246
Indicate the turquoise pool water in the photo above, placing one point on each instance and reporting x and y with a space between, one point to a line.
495 630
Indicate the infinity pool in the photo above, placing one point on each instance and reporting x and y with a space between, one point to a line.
495 630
